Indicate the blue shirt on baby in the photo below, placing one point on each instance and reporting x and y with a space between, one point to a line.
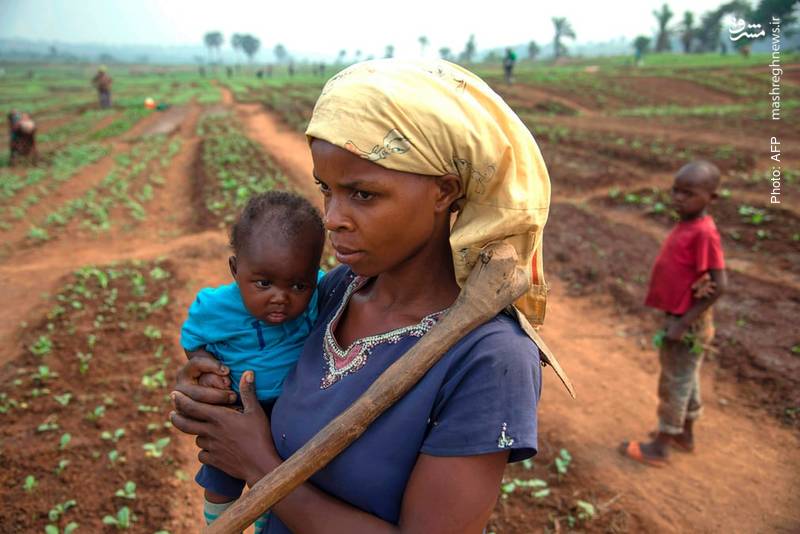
219 323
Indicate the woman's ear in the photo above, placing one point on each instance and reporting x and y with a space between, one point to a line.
232 265
450 190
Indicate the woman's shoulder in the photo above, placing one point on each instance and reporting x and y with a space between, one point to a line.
501 336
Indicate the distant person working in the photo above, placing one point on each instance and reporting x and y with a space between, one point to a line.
102 82
22 141
508 65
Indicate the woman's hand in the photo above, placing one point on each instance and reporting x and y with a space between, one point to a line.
239 443
204 379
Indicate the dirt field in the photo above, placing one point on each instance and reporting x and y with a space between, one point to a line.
87 352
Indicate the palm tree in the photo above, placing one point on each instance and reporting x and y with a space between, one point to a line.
533 50
342 54
250 46
280 53
389 51
469 49
423 43
563 31
358 55
236 42
213 40
687 31
445 53
662 39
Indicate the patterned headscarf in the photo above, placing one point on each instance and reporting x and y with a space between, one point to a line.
436 118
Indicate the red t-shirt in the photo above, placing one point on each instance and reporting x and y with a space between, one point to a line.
691 249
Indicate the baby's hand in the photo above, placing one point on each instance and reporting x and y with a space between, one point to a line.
704 287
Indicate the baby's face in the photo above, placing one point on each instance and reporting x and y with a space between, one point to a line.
276 281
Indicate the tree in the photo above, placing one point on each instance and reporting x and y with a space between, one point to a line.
250 46
711 24
280 53
641 44
533 50
423 44
358 55
342 54
213 41
563 31
663 17
236 42
783 9
687 31
445 53
469 49
389 51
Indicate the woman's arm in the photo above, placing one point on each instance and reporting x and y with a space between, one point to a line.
443 495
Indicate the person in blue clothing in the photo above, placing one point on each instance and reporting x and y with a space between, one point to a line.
261 320
420 165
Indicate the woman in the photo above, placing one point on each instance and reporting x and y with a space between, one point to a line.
397 147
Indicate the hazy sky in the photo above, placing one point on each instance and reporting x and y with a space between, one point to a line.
325 27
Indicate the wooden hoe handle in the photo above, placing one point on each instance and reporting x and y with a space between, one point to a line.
493 284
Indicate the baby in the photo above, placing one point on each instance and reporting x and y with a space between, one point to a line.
261 320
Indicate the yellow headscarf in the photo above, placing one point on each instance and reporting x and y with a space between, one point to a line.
436 118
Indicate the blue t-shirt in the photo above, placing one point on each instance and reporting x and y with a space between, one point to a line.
480 398
219 322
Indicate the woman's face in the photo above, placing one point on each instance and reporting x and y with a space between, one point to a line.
378 218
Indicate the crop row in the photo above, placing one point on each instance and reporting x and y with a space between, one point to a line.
39 182
83 409
130 184
653 153
234 168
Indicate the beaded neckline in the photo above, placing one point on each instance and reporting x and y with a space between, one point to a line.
340 362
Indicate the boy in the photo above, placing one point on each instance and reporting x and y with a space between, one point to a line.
690 259
261 320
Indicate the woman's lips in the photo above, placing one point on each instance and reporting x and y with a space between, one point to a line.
346 254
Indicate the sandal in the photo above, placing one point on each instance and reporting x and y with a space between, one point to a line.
679 445
633 450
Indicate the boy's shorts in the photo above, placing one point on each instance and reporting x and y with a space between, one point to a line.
220 482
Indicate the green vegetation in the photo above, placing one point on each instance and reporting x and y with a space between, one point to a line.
234 168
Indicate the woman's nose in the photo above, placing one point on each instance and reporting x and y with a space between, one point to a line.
335 219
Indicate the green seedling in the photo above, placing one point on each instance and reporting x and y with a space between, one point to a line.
49 424
151 332
128 491
30 483
586 510
144 408
157 273
64 399
537 484
62 464
42 346
58 510
43 374
123 519
64 441
38 234
753 215
83 361
69 529
95 415
155 449
562 462
115 437
39 392
115 457
154 381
